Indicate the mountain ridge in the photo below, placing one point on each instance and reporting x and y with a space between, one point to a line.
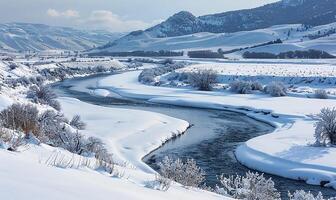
20 36
310 12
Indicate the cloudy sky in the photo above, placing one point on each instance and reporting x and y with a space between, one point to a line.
112 15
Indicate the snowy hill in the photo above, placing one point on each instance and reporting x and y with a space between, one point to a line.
37 37
310 12
294 37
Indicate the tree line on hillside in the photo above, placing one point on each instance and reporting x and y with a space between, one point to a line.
204 54
277 41
161 53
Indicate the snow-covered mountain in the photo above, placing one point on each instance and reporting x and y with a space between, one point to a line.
309 12
37 37
293 36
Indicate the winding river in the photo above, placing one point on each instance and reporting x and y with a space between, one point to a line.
211 140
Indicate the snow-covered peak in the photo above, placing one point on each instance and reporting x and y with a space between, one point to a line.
183 15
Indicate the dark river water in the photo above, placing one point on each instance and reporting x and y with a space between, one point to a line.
211 140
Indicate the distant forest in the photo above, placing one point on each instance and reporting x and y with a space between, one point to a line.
161 53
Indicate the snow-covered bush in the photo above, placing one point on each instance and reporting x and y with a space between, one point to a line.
11 139
13 66
160 183
257 86
276 89
203 79
187 173
20 117
241 87
321 94
325 127
53 130
251 186
148 75
77 123
302 195
43 95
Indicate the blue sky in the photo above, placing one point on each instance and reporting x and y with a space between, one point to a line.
113 15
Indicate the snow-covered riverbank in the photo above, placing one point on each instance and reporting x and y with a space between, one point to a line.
41 171
287 152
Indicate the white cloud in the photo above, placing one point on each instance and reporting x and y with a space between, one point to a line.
104 19
67 13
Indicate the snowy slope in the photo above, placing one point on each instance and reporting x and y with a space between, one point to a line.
36 37
45 172
294 37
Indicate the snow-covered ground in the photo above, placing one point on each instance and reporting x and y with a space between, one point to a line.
303 77
45 172
288 152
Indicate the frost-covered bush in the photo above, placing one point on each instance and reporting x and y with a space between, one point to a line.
276 89
77 123
302 195
257 86
43 95
148 75
160 183
251 186
187 173
10 139
164 183
20 117
203 79
241 87
51 128
321 94
325 127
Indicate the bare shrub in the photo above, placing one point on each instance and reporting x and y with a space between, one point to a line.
51 127
321 94
160 183
203 79
16 141
187 173
77 123
43 95
276 89
257 86
251 186
164 183
11 139
148 75
61 160
325 127
302 195
21 117
241 87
